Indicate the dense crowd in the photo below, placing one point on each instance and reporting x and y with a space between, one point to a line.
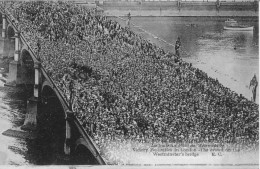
122 87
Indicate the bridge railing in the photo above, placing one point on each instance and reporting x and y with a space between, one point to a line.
94 149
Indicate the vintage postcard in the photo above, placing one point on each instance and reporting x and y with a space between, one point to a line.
140 83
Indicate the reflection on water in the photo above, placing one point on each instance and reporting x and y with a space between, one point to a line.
18 151
12 107
12 110
231 57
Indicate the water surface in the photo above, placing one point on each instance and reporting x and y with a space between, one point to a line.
230 56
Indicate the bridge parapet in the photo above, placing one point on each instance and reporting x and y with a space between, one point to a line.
181 8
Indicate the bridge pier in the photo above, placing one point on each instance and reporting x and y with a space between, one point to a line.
2 52
4 26
3 48
67 144
30 122
14 77
17 45
37 66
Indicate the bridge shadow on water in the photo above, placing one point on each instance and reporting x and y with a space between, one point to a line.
48 147
44 148
51 131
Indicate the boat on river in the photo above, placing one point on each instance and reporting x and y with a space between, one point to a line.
232 25
239 28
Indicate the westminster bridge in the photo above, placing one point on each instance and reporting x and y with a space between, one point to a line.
25 69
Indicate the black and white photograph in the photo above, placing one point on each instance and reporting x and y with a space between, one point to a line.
129 83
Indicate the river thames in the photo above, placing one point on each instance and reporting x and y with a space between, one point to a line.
231 57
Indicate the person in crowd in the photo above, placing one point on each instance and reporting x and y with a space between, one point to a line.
128 20
177 46
254 84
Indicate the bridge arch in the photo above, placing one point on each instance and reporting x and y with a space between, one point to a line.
26 52
47 84
49 96
51 122
82 154
80 150
27 67
10 32
27 59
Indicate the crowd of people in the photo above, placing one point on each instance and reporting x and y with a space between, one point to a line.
123 88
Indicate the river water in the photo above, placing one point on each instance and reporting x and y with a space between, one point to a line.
231 57
13 100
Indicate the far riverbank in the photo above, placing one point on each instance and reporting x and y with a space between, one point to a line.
176 13
180 9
